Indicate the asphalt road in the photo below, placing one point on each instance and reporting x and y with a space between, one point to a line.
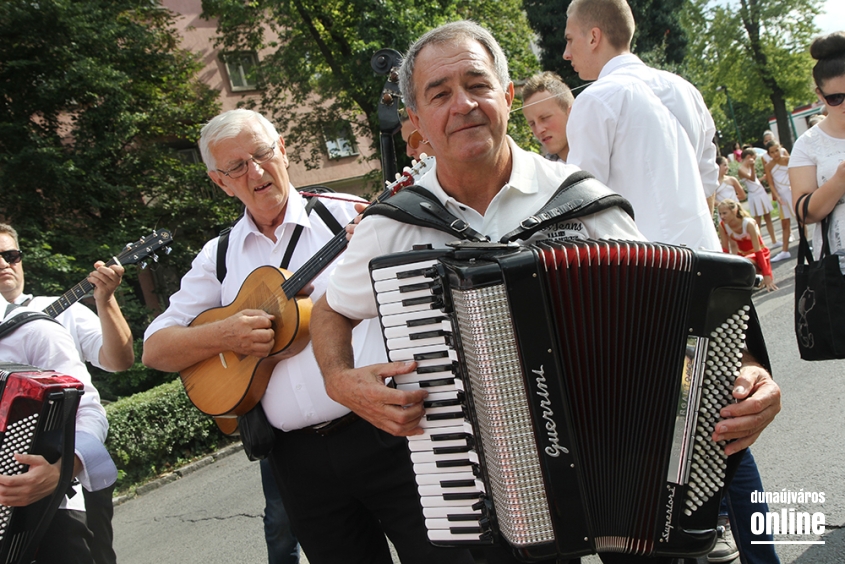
213 513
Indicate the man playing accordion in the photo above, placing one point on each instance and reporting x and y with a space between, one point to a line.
458 94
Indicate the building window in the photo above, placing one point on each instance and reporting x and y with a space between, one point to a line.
190 156
241 69
340 143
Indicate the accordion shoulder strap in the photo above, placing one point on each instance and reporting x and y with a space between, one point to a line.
417 206
579 195
10 325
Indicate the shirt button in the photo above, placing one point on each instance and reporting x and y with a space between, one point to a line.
299 386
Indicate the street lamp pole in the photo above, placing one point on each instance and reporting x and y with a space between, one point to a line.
733 116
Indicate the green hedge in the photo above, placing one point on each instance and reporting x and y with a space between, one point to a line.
154 431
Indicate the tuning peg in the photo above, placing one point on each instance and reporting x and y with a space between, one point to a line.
154 257
423 157
398 176
168 250
143 264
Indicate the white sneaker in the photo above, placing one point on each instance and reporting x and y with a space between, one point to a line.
783 255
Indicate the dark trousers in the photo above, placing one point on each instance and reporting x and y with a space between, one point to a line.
66 541
282 546
99 510
346 491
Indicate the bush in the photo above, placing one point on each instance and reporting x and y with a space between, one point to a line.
154 431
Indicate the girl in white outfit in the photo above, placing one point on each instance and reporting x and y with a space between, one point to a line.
759 203
777 172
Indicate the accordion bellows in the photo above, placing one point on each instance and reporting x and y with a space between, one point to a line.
573 389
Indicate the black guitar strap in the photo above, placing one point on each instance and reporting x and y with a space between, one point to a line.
314 203
10 325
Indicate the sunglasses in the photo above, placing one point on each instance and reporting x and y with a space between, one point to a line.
833 99
12 256
415 139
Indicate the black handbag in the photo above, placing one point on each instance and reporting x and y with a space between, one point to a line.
819 298
257 435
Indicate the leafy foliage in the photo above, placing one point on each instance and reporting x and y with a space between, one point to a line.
96 98
153 431
658 30
318 78
758 50
92 113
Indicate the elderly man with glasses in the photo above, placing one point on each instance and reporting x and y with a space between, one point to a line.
344 483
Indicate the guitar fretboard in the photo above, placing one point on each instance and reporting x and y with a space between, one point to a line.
71 296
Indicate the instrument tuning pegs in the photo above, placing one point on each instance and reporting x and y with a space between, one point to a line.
423 157
398 176
154 257
143 264
408 170
168 250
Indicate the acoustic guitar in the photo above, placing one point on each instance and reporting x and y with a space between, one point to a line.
132 253
231 384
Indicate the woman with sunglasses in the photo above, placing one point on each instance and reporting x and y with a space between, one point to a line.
817 164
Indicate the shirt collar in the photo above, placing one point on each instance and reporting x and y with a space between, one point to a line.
523 177
294 215
619 61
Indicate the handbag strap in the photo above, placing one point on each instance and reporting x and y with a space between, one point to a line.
804 246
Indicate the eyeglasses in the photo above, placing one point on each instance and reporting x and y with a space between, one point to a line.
240 169
12 256
415 139
833 99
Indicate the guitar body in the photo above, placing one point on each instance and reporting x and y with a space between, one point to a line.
230 383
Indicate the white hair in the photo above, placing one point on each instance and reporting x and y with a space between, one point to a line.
228 125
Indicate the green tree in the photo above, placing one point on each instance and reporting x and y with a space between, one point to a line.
659 31
95 99
318 77
758 50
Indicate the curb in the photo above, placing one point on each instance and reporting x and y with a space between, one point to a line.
179 473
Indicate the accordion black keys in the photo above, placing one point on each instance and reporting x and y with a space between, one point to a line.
573 391
37 416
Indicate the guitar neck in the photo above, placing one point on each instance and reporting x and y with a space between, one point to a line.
315 265
71 296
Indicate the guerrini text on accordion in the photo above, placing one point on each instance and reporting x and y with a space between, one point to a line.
573 390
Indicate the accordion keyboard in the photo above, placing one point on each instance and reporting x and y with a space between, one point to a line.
444 458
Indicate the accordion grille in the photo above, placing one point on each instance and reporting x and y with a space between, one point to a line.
504 422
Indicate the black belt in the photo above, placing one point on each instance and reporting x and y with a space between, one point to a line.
330 427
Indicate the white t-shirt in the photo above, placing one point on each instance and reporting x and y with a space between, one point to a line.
654 152
817 148
296 396
533 181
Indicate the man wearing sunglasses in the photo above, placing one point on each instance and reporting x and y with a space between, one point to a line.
103 339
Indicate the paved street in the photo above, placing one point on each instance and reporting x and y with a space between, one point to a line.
213 514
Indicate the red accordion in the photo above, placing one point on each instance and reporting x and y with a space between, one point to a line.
37 416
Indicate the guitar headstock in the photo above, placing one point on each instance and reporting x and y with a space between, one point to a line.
146 247
409 174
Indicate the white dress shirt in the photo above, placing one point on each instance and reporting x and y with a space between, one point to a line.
648 136
295 396
82 324
47 345
532 182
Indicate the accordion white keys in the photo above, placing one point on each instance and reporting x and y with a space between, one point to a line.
573 391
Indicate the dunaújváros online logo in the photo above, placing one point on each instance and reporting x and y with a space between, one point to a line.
788 524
